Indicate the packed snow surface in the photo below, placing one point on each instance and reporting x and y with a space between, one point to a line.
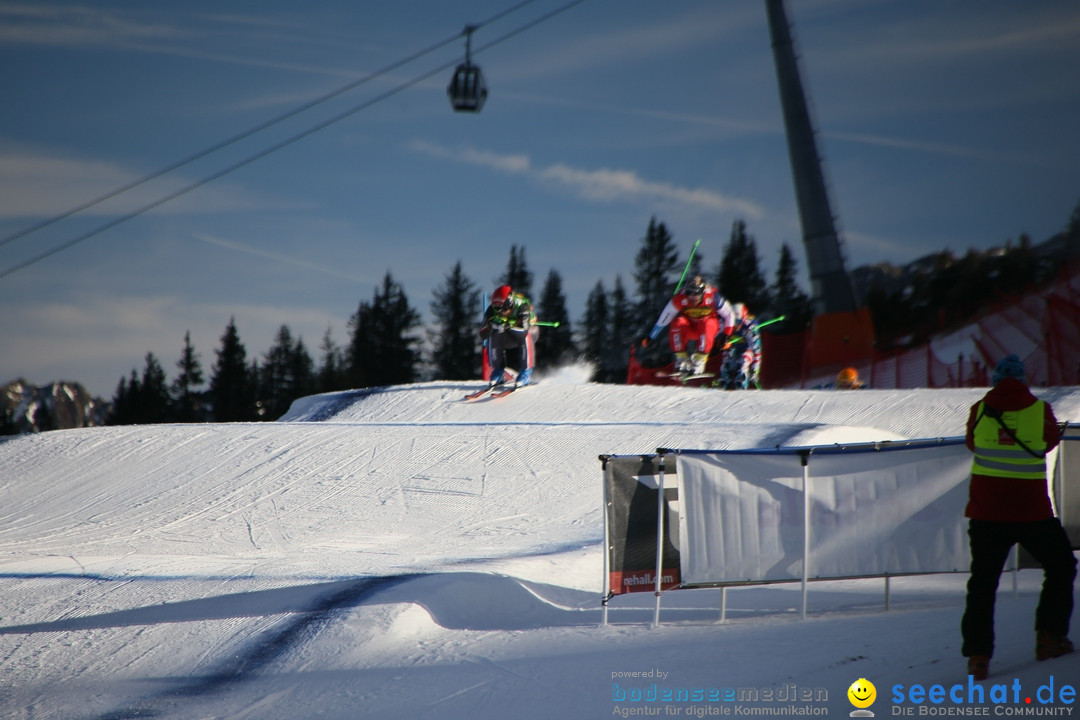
399 553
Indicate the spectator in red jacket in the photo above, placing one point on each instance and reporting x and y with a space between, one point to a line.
1010 431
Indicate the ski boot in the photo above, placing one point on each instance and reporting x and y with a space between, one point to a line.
502 376
682 363
697 366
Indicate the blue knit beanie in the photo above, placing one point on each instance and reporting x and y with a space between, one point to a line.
1010 366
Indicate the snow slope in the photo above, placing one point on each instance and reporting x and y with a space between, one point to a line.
397 553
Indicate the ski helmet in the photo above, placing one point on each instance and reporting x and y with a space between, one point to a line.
847 378
501 295
696 286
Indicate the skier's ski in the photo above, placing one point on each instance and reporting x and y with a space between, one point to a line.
503 392
685 377
481 393
497 390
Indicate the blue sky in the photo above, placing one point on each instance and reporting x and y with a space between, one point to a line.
943 125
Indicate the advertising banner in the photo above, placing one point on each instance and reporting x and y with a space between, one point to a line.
631 499
870 511
790 514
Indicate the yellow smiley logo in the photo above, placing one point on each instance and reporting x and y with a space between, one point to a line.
862 693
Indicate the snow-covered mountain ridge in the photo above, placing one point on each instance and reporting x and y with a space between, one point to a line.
58 405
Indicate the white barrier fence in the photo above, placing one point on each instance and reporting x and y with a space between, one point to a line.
802 514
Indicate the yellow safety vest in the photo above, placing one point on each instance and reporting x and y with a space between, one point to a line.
998 455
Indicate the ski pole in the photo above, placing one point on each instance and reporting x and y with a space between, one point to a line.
739 339
770 322
687 268
541 323
742 339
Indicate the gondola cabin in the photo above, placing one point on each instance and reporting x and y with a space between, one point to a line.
467 90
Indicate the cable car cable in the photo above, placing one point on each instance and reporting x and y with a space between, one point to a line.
277 146
221 145
221 173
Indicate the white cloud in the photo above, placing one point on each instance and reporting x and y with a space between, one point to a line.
286 259
32 184
597 185
938 148
936 36
670 30
505 163
76 25
995 35
628 185
35 184
181 34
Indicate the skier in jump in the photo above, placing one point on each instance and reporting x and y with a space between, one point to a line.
742 357
695 316
509 335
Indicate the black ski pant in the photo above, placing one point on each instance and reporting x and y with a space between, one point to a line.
990 545
509 349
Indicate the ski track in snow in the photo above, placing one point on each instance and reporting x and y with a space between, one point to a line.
396 552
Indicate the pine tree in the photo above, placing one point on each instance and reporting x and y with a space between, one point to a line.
788 299
302 370
362 367
153 400
656 271
740 271
455 344
595 339
517 273
258 409
623 333
555 345
332 369
273 373
1073 228
285 375
383 350
187 405
142 401
123 410
232 384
